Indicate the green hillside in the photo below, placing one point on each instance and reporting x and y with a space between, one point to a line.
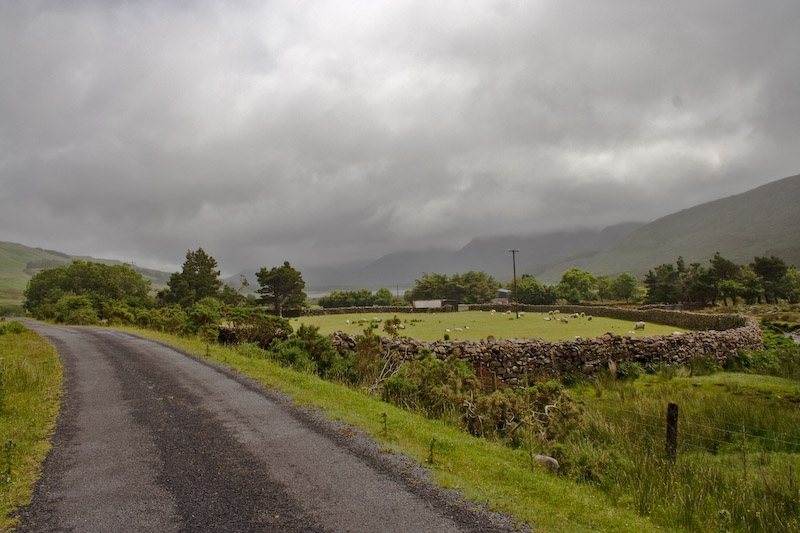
762 221
18 263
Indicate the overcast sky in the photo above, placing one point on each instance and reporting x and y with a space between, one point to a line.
326 132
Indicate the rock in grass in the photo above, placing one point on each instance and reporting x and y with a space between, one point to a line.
548 462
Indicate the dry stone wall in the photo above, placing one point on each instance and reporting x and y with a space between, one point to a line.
512 360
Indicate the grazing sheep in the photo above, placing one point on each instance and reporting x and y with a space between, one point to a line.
556 311
638 325
631 333
522 313
583 314
564 321
577 337
546 318
466 327
457 329
550 312
574 315
348 320
589 317
447 330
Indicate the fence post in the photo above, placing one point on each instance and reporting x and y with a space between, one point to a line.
672 432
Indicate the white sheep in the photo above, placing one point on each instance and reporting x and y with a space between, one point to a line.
546 318
550 312
348 320
574 315
457 329
638 325
589 317
583 314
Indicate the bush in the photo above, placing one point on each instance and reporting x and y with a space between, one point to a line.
702 366
11 310
117 313
629 370
253 325
310 351
204 316
11 328
75 309
438 387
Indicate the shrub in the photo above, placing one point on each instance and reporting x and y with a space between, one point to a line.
118 313
11 310
246 325
702 366
75 309
11 328
318 354
437 386
629 370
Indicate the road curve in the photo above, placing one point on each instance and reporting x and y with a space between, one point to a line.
151 439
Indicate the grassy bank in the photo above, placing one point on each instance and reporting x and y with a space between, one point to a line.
484 471
30 389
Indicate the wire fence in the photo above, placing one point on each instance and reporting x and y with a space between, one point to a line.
694 435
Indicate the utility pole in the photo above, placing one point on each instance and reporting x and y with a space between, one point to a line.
514 262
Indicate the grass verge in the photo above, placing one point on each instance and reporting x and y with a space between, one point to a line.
482 470
30 391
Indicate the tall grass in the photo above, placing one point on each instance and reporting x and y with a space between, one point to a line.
30 388
739 451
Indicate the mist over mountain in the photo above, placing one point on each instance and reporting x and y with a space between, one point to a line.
489 254
761 221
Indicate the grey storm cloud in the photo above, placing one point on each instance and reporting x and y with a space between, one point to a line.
326 132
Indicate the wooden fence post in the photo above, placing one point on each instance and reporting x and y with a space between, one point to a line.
672 432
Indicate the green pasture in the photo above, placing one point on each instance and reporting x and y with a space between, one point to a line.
476 325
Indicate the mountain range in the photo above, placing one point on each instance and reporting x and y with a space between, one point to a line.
761 221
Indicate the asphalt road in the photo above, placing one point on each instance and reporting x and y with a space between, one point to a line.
151 439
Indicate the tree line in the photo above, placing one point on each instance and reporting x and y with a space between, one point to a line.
87 293
766 279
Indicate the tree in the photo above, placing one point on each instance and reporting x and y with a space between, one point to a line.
533 292
663 284
752 288
198 279
624 287
282 287
96 283
604 288
577 282
383 296
469 288
791 282
771 270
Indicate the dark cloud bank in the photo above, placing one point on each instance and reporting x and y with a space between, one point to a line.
324 132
